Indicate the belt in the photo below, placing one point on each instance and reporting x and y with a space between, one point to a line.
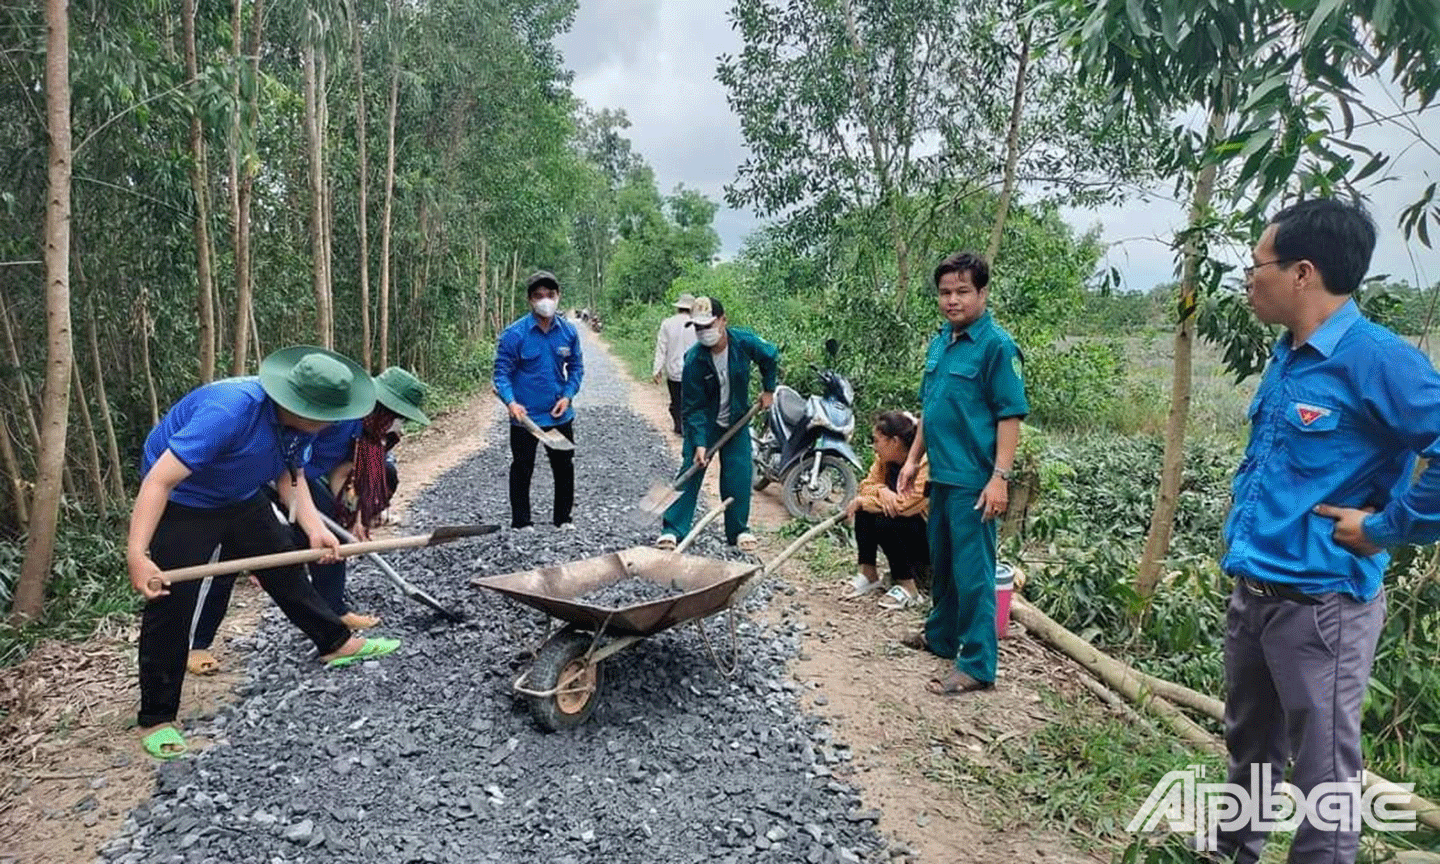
1271 589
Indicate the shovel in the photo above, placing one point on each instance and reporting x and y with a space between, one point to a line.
663 494
405 587
549 437
304 556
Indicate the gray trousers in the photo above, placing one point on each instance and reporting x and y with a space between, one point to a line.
1295 678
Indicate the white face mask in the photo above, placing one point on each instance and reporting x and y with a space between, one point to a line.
545 307
709 337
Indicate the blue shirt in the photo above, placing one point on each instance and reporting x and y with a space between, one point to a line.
1339 420
229 436
333 445
538 369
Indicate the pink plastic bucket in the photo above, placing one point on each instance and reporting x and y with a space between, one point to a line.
1004 587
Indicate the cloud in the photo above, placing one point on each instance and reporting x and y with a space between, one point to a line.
656 60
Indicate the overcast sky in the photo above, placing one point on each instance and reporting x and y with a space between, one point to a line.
656 60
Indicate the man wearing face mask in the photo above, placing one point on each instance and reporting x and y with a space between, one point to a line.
538 369
715 392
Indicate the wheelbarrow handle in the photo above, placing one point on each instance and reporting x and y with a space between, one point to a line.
700 525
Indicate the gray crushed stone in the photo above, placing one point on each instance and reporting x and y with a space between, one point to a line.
428 756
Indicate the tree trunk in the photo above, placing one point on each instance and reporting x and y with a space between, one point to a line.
327 210
385 266
364 172
244 313
144 304
1162 519
479 331
94 471
1012 151
198 179
29 599
112 444
26 404
311 121
17 480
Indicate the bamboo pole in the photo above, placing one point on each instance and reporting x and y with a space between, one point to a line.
112 444
1135 686
92 444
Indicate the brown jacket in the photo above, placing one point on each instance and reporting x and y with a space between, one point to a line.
914 504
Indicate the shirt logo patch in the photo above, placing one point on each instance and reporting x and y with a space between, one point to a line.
1310 413
1015 365
564 351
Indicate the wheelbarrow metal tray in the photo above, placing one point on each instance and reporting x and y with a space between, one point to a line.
707 586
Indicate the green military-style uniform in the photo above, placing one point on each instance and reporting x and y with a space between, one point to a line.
973 380
700 408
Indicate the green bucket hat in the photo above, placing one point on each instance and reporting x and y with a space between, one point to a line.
402 393
317 384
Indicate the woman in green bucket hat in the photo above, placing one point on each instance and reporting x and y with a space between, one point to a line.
351 480
200 499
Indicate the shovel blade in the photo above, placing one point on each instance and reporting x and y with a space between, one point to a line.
658 499
446 533
555 441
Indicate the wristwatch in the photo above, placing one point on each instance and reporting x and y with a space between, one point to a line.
1003 475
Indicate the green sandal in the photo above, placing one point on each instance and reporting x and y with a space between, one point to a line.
156 742
371 649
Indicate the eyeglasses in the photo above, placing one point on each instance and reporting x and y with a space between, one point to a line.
1250 271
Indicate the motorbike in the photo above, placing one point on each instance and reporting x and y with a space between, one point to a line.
805 446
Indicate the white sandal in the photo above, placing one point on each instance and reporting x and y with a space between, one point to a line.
898 598
861 585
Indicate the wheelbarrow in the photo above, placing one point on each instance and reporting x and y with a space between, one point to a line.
564 682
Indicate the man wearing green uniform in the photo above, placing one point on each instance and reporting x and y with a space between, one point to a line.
973 395
715 392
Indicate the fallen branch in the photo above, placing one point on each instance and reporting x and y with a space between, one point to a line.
1149 692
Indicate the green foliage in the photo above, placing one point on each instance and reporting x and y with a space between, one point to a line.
1090 520
88 586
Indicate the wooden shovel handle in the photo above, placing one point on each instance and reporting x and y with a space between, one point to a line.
715 448
280 559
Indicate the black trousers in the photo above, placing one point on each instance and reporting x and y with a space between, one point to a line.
522 469
188 535
902 538
674 405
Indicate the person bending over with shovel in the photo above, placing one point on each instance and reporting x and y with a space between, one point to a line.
715 393
351 482
200 498
538 368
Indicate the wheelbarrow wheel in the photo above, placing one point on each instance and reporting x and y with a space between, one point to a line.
561 665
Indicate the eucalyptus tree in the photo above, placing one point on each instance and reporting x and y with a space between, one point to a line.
895 111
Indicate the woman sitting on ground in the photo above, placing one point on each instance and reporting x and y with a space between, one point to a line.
885 519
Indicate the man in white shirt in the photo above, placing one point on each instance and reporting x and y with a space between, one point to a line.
671 343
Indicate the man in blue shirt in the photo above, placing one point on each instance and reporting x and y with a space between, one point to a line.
349 481
538 369
200 497
1343 410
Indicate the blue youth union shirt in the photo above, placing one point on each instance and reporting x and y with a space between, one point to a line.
537 369
1339 420
333 445
229 436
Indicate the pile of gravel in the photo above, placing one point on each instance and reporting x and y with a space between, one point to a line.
428 756
630 592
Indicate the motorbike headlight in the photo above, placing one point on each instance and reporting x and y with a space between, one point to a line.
848 391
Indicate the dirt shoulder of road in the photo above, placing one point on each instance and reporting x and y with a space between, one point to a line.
74 769
854 673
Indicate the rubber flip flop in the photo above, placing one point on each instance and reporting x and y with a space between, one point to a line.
202 662
370 649
156 742
956 683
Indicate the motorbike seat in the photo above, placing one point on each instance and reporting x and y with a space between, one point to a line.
791 405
